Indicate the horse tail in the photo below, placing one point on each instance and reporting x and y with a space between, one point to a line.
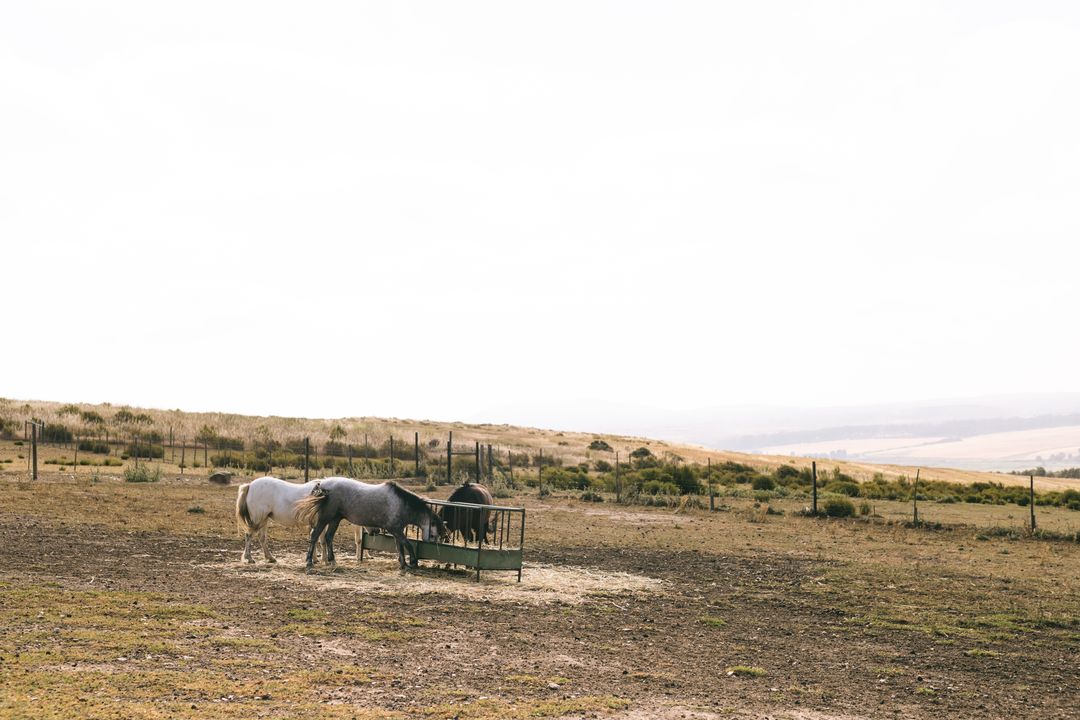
243 515
308 509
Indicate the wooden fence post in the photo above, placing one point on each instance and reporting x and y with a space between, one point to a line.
391 455
449 456
813 479
915 500
33 449
618 484
540 472
712 497
1031 479
307 456
478 476
510 461
416 454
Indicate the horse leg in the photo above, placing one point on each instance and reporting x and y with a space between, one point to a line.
316 531
357 532
328 542
265 542
246 557
399 538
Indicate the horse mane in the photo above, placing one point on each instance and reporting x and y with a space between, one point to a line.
412 501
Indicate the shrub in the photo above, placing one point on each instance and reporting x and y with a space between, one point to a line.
763 482
94 446
641 452
843 487
142 474
603 466
864 508
55 433
599 445
787 472
839 507
659 487
145 451
684 477
590 496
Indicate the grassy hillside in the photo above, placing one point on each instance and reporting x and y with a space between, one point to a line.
569 448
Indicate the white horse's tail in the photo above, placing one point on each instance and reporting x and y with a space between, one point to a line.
243 515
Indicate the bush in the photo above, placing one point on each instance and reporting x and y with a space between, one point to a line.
145 451
764 482
684 477
843 487
590 496
142 474
786 472
641 452
839 507
659 487
599 445
54 433
603 466
94 446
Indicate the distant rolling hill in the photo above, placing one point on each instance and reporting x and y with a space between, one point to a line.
1051 447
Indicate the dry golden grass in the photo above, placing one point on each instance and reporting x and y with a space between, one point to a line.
571 447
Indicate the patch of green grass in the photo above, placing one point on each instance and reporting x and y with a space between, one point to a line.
712 621
746 671
980 652
306 614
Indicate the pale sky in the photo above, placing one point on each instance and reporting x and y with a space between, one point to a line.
476 210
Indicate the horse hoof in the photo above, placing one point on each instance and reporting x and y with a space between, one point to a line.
249 561
271 560
309 569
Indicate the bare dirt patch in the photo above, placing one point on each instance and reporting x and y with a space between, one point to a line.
542 584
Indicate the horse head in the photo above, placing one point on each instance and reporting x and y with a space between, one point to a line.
436 529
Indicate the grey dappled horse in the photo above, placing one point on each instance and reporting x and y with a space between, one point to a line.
386 505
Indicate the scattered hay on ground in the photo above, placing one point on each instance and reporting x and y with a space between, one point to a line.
540 585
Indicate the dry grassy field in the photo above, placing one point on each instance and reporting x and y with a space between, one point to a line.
123 600
570 447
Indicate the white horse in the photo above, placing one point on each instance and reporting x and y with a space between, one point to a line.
269 497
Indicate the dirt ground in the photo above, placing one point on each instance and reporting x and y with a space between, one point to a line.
122 600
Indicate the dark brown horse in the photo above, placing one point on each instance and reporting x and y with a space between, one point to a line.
472 523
